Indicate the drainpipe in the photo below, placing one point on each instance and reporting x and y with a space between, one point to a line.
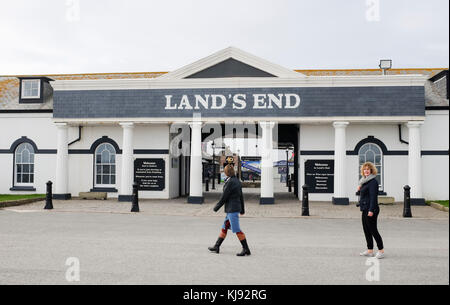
79 136
400 134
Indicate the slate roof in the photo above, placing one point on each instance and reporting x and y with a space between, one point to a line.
9 85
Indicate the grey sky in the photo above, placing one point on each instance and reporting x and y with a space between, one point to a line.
49 36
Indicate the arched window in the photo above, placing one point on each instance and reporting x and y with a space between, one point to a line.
371 152
105 165
24 165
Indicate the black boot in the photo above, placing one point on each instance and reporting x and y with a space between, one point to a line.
245 249
217 245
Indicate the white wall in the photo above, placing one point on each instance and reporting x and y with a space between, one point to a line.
38 128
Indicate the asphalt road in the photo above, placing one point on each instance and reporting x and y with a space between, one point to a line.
145 249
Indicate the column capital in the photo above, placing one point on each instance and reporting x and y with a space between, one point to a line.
267 124
195 124
127 124
340 124
61 125
414 124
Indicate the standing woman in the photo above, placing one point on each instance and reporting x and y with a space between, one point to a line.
234 205
368 204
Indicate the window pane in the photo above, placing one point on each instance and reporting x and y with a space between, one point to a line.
113 179
362 159
31 158
113 158
31 178
106 179
113 169
370 157
364 148
105 156
99 169
99 179
378 159
98 159
26 168
25 156
25 178
105 169
19 168
31 168
379 169
19 178
110 148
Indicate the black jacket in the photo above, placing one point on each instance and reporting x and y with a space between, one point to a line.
232 197
368 200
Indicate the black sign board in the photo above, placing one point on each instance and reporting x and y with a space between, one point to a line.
319 176
150 174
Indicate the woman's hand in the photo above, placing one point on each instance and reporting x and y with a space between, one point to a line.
359 187
370 214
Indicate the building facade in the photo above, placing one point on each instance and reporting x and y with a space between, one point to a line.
103 132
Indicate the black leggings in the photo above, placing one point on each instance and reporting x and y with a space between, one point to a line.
370 230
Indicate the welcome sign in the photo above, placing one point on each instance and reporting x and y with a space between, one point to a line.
240 102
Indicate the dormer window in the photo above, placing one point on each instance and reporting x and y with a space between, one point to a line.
34 90
31 88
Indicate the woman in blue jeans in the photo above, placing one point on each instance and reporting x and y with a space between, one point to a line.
233 200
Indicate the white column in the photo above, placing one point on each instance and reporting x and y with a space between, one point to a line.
339 163
415 162
62 157
127 177
195 174
267 163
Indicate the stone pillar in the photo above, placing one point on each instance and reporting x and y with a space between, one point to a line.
415 163
196 169
267 163
62 163
339 163
127 177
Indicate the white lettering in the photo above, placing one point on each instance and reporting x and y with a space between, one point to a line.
277 101
214 101
204 102
288 101
241 102
184 103
259 101
168 101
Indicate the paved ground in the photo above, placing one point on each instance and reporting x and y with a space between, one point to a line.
167 244
286 206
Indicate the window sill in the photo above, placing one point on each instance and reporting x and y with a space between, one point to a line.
104 189
23 188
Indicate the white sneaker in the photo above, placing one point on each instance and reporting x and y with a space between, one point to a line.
366 253
380 255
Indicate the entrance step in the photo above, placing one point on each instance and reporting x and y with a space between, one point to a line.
384 200
93 195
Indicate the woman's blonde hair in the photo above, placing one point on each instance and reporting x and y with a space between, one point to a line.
371 166
229 170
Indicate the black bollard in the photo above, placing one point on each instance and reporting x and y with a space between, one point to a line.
135 200
218 178
48 197
290 185
207 184
305 201
407 202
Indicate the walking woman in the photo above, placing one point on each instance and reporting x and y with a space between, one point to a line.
368 204
234 205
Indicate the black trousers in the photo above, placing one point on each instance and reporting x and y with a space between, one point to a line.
371 231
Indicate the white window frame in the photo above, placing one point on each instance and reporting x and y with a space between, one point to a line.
30 81
100 185
381 164
16 182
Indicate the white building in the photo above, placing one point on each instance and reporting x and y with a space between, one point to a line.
101 132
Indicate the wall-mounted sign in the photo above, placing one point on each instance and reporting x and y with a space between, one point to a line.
319 176
150 174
